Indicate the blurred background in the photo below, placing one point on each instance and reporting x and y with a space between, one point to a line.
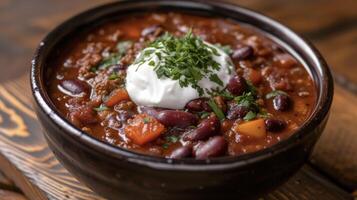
330 24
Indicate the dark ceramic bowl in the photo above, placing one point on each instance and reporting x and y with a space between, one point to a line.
117 173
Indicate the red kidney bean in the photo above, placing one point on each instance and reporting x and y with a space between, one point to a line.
282 102
75 87
237 85
181 152
207 128
176 118
243 53
198 105
236 112
216 146
274 125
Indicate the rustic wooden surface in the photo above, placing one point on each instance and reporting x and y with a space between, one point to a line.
27 161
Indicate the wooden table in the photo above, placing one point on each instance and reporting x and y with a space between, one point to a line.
29 170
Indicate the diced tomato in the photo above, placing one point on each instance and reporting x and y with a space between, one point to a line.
143 129
117 96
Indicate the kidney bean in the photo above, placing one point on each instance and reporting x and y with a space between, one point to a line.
198 105
243 53
237 85
207 128
216 146
75 87
282 102
176 118
181 152
274 125
236 112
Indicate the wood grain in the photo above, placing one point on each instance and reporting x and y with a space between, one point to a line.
8 195
29 162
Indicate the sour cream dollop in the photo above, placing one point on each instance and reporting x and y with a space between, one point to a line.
145 88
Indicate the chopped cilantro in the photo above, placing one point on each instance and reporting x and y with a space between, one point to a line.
274 94
101 108
152 63
216 109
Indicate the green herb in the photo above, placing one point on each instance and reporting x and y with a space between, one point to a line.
146 120
113 76
101 108
275 93
187 59
172 138
250 115
165 146
226 95
247 100
204 115
152 63
123 47
263 114
216 109
115 57
251 88
226 48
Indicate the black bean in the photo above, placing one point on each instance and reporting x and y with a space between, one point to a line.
243 53
236 112
207 128
198 105
181 152
215 146
174 118
282 102
237 85
75 87
274 125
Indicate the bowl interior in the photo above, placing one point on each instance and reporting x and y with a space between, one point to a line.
297 46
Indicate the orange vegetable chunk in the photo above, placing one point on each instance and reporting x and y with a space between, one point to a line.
117 96
143 129
255 128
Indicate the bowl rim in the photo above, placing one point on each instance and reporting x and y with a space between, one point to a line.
320 112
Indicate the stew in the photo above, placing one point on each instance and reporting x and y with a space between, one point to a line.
180 86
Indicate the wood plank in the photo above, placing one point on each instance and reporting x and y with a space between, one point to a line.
335 152
27 159
8 195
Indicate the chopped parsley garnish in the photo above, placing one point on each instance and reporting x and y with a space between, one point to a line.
113 76
172 138
216 109
247 100
275 93
101 108
147 120
115 57
187 59
249 116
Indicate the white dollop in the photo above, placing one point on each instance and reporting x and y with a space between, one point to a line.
146 89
